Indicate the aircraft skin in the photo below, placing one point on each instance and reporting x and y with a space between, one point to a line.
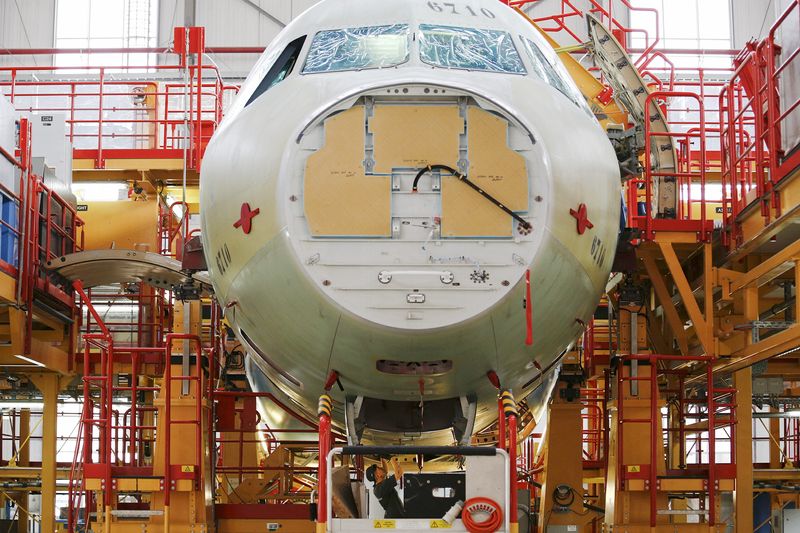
306 301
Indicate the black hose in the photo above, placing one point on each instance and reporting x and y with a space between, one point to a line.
594 508
463 178
431 168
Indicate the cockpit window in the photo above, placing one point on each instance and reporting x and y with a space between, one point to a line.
469 49
358 49
282 67
553 73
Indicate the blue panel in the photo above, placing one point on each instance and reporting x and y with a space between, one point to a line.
762 510
9 211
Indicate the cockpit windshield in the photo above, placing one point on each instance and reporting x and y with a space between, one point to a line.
358 48
552 71
469 49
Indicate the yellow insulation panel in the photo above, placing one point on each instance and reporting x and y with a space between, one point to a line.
495 168
339 198
414 136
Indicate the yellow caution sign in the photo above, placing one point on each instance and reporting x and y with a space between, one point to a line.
187 468
440 524
634 468
384 524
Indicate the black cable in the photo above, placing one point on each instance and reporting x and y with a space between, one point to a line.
594 508
431 168
463 178
564 498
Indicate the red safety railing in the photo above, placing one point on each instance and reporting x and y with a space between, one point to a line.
754 124
121 442
567 18
692 165
135 314
288 480
157 111
717 407
781 104
178 471
594 429
173 223
119 437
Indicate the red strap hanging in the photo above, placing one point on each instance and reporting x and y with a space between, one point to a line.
528 309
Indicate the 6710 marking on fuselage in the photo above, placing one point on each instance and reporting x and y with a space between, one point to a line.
451 8
598 251
223 258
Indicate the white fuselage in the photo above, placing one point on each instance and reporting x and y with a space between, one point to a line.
409 296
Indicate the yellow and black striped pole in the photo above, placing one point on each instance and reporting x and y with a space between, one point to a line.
508 403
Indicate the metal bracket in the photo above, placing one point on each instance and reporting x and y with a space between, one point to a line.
353 420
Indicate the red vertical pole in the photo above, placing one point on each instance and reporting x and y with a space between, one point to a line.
512 459
167 425
703 155
712 461
109 384
88 411
198 406
134 422
324 413
606 427
48 227
13 85
72 95
501 425
655 437
100 163
199 49
620 420
681 420
648 186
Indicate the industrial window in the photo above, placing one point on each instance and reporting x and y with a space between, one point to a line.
469 49
552 71
687 25
280 69
358 49
106 24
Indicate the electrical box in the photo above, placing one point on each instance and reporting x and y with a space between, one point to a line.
49 142
791 520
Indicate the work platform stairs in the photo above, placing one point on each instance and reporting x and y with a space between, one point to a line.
141 438
157 435
690 427
143 429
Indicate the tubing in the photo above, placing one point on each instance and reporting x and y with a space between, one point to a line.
485 505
